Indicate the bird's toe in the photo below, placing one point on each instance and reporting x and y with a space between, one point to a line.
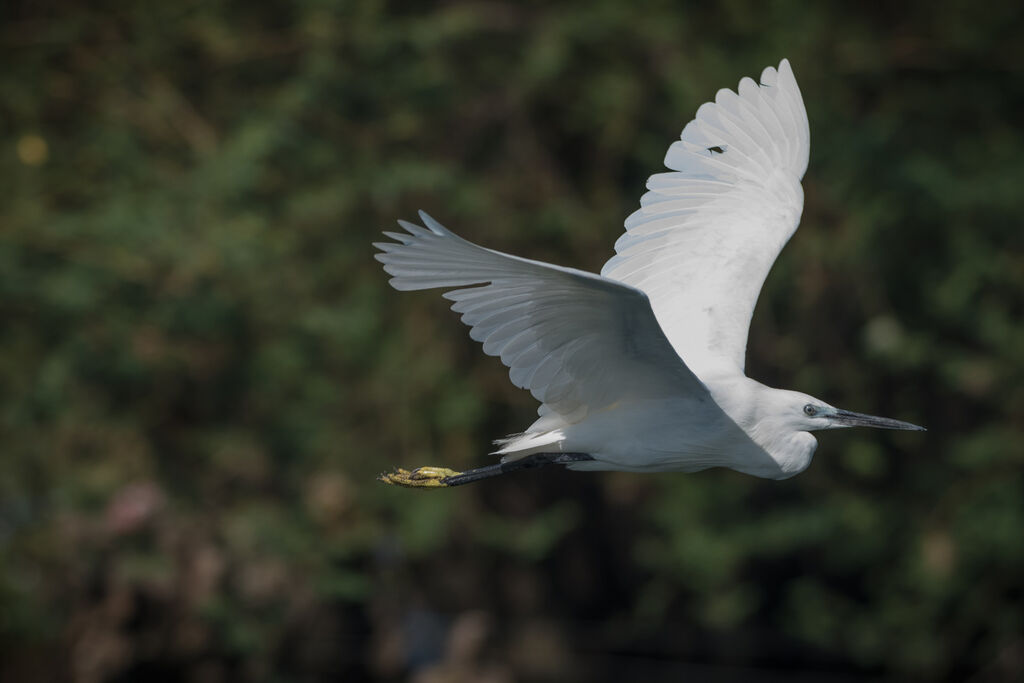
420 478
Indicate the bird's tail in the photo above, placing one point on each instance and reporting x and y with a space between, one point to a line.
516 446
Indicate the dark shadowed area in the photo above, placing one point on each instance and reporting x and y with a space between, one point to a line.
202 368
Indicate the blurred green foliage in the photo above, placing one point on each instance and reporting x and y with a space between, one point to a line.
202 367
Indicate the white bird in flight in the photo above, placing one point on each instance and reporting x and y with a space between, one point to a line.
641 368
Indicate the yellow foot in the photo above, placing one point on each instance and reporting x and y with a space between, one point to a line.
419 478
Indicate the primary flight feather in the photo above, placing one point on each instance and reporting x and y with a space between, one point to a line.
640 368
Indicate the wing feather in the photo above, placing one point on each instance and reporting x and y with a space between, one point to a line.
707 233
576 340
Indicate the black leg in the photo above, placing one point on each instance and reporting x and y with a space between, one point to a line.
527 463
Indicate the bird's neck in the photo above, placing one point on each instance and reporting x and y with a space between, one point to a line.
741 398
791 450
737 395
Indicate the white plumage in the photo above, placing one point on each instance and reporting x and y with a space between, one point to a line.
641 367
706 235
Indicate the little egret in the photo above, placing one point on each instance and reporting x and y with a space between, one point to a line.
641 368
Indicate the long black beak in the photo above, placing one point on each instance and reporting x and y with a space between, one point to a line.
851 419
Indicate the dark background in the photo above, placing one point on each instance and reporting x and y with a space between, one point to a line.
202 367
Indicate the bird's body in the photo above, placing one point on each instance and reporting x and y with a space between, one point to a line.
681 434
641 368
723 428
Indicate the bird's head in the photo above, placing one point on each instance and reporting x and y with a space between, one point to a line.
805 413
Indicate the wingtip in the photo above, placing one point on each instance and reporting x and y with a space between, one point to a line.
786 69
427 220
430 223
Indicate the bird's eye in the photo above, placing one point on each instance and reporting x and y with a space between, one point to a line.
810 410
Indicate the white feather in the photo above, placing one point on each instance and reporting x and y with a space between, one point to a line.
706 236
574 339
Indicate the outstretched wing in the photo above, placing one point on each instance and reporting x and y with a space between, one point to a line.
574 339
706 236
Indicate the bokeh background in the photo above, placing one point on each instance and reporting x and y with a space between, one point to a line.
202 367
